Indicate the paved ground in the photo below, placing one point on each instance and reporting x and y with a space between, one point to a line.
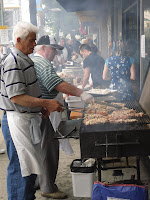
64 177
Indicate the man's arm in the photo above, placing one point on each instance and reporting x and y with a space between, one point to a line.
86 76
67 88
28 101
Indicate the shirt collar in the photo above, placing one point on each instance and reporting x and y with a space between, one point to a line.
22 55
36 54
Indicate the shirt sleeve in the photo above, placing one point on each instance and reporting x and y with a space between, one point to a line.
14 79
131 60
50 79
106 62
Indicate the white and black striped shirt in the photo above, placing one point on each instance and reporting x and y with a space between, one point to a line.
18 76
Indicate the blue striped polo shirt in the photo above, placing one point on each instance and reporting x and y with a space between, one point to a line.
18 76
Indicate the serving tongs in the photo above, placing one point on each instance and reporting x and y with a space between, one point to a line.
74 109
65 136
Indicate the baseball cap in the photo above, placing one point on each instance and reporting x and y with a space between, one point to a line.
49 40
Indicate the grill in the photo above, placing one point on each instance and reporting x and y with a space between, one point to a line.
116 140
119 140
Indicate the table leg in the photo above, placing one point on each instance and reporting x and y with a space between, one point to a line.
99 162
138 167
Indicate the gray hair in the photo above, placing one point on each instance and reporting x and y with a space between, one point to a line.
22 30
38 47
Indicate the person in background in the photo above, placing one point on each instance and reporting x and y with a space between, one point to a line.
120 69
3 52
59 61
52 87
76 45
93 64
76 52
10 46
62 43
22 104
89 41
2 151
69 46
2 56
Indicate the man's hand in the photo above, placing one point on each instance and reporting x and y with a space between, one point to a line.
45 113
87 97
28 101
53 105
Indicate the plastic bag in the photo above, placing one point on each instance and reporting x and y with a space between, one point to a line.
119 192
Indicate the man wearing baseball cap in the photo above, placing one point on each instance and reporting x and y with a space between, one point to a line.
49 40
52 87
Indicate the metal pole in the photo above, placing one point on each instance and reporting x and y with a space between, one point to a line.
2 13
32 9
99 161
138 167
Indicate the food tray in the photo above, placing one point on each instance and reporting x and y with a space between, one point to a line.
68 79
101 92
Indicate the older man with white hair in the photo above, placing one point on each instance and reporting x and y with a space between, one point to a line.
21 100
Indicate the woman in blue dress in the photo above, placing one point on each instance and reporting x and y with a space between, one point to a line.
120 69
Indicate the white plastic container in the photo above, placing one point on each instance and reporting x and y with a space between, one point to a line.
68 79
74 102
82 184
74 72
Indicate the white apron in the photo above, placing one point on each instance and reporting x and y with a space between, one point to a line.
56 118
27 144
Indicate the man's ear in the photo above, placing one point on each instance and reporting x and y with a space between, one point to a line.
43 47
18 39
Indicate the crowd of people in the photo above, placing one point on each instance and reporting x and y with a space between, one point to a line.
116 72
32 102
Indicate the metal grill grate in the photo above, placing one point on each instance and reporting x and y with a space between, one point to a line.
136 106
131 105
